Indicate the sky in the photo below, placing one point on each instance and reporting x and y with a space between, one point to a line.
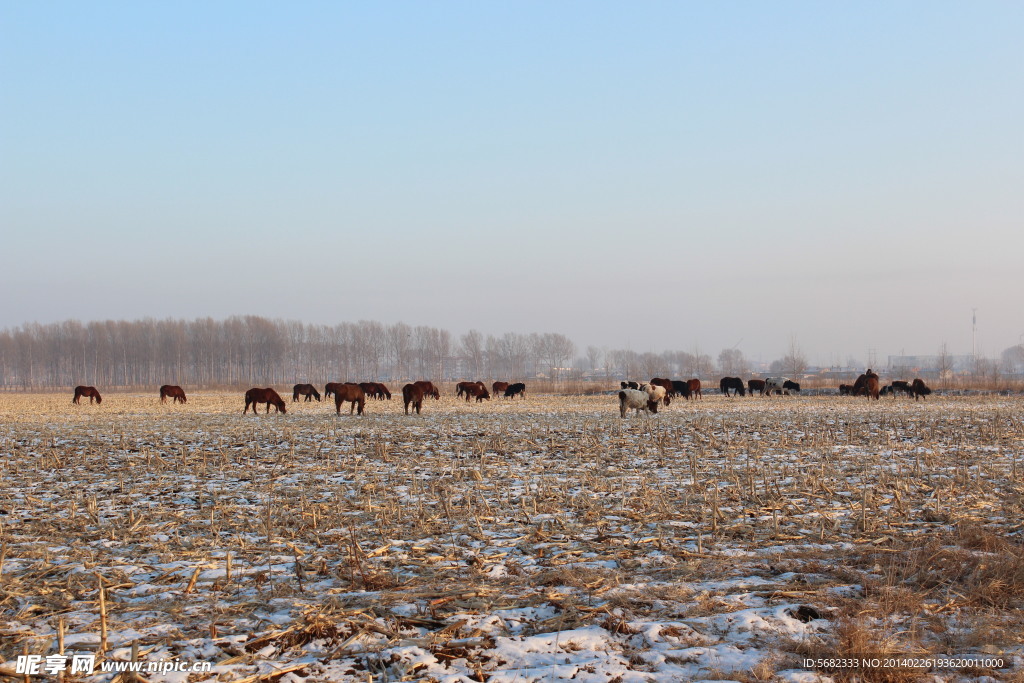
842 177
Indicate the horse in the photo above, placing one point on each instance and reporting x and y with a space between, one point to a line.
694 385
89 392
479 392
462 388
498 388
412 394
382 392
681 388
870 385
920 389
667 383
331 387
370 389
516 389
307 390
428 389
268 396
175 393
349 392
755 385
734 383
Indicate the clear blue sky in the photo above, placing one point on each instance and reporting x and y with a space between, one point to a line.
655 174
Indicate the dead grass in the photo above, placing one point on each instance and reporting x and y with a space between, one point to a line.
343 523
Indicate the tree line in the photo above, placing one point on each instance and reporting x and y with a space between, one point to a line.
252 350
257 351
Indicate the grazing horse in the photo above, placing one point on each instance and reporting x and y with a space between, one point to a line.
640 401
412 394
681 388
516 389
428 389
900 386
331 387
268 396
465 388
734 383
780 385
382 392
498 388
845 389
871 389
307 390
89 392
757 385
920 389
349 392
694 385
479 392
169 391
667 383
370 389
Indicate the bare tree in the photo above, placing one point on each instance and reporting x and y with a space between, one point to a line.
731 362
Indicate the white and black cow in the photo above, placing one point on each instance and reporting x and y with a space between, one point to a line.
637 400
641 386
780 385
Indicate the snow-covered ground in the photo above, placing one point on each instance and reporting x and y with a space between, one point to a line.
533 540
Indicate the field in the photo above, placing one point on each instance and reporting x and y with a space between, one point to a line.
535 540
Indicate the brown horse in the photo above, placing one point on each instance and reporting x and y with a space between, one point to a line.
479 392
498 388
755 385
268 396
694 385
412 394
428 389
331 387
307 390
382 391
352 393
370 389
89 392
175 393
871 387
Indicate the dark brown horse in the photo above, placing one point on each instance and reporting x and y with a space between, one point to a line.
268 396
428 389
382 392
89 392
734 383
352 393
517 389
920 389
307 390
755 385
175 393
370 389
412 394
498 388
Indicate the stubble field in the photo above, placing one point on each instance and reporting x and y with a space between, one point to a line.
516 541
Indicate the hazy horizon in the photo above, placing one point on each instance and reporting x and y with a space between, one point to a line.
648 176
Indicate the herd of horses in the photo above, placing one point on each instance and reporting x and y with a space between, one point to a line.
356 394
350 392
